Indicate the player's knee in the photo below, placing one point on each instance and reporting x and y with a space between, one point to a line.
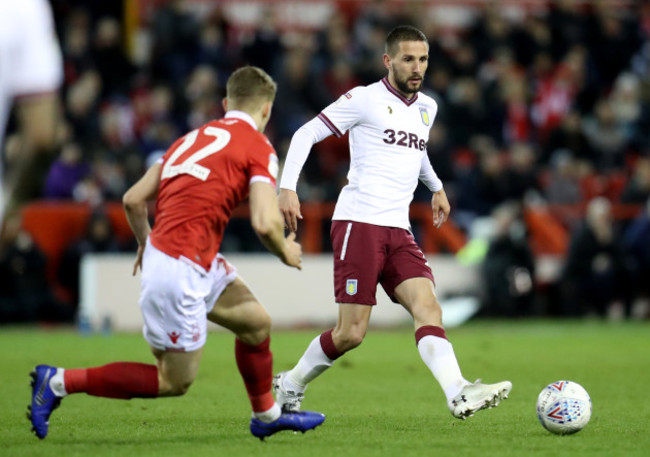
345 341
432 306
257 337
174 387
264 325
178 389
259 331
427 311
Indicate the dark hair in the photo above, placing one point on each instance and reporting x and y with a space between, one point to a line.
249 85
402 33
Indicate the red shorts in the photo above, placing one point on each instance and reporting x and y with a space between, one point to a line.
366 255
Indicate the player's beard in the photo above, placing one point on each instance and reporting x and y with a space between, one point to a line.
403 84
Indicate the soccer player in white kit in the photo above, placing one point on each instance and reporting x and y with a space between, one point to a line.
389 123
31 72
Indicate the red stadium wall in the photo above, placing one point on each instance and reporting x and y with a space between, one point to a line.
55 225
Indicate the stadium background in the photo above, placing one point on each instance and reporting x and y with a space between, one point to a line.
544 118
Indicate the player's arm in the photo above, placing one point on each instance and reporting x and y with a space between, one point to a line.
301 143
441 208
135 206
269 226
34 78
439 202
336 119
37 119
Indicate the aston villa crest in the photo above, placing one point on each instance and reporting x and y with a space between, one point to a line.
351 287
424 114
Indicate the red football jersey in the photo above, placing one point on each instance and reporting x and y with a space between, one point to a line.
204 176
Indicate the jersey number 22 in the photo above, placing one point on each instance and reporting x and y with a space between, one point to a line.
190 166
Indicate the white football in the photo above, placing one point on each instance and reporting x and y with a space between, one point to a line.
564 407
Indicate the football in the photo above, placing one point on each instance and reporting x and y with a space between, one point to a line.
564 407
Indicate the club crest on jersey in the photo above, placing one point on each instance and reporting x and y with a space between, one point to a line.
351 287
424 114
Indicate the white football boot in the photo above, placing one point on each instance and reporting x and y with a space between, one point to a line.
288 400
477 396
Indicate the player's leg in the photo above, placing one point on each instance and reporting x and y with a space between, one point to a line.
176 371
418 298
350 328
116 380
175 327
323 350
463 398
238 310
172 376
321 353
358 258
408 280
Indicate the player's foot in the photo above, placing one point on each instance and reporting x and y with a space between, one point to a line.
289 400
44 401
298 422
477 396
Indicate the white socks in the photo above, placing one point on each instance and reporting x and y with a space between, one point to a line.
269 415
312 363
57 384
438 354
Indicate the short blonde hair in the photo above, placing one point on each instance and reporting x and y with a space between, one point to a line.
250 86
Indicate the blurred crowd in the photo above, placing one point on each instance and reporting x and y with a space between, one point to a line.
549 107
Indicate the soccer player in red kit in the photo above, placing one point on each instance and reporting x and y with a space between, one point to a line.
185 281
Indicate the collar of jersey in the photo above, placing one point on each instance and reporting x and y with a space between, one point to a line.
243 116
395 92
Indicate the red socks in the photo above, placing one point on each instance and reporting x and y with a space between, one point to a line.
130 379
115 380
255 365
327 343
432 330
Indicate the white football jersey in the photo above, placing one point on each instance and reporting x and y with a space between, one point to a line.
388 139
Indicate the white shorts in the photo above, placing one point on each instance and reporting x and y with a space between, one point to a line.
176 296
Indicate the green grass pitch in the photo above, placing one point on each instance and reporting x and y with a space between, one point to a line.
380 399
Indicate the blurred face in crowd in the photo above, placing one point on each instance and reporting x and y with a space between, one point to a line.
406 68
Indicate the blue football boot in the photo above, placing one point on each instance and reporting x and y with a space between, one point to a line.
297 421
44 401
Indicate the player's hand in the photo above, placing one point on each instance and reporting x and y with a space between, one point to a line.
441 208
293 252
290 208
138 259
